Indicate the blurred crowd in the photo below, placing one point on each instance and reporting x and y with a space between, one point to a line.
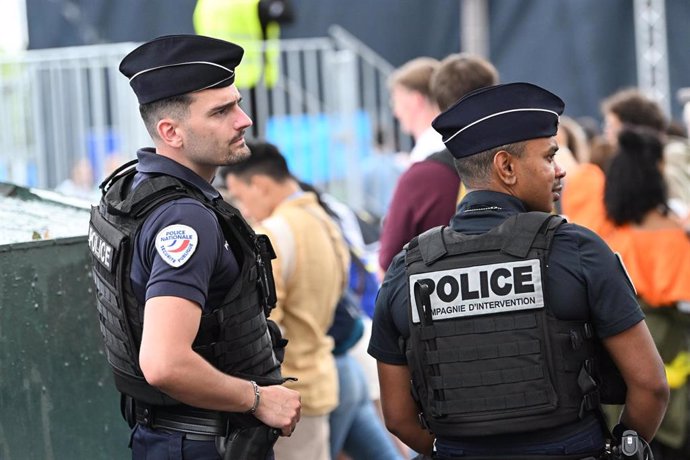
627 179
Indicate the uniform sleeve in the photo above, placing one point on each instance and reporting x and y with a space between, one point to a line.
171 272
390 316
613 303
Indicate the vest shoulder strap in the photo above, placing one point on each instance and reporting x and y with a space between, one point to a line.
432 246
145 197
529 230
515 236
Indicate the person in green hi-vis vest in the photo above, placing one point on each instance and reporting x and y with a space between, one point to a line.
255 26
240 21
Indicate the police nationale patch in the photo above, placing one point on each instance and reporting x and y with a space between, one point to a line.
176 244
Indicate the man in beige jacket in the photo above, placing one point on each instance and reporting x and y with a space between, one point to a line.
310 275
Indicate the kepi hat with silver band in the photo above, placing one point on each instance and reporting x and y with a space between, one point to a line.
498 115
172 65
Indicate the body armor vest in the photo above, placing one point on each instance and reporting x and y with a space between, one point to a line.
487 355
236 337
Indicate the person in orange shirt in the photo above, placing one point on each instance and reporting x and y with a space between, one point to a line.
583 199
656 251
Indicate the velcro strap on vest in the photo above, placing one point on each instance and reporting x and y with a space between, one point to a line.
250 350
479 326
211 328
237 310
256 325
478 379
526 347
489 404
590 389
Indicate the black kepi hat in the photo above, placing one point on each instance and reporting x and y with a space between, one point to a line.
172 65
498 115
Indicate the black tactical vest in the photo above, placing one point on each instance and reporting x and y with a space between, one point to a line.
487 356
237 338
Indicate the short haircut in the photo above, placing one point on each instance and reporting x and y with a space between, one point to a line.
475 170
265 159
459 74
176 107
634 182
415 75
632 107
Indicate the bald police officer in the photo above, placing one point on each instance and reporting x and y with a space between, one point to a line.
184 285
488 334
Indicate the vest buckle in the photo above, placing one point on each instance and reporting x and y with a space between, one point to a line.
422 421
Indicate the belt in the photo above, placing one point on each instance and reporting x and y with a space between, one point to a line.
196 424
519 457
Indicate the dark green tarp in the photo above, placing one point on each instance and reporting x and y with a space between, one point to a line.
57 398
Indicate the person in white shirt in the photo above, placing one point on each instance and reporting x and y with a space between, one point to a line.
413 106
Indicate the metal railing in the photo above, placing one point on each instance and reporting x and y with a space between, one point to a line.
66 105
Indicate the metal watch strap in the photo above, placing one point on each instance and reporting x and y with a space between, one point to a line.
257 398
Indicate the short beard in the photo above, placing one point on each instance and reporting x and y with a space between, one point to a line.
239 154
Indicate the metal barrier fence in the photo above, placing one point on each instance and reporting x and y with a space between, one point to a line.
64 106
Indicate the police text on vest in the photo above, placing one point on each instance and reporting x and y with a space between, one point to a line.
100 249
481 290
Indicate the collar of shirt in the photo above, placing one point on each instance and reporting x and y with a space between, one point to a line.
429 142
295 195
481 210
152 163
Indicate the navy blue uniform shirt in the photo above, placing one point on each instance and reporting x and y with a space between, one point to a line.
163 265
584 280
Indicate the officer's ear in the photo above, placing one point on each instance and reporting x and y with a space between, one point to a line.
504 167
169 132
262 183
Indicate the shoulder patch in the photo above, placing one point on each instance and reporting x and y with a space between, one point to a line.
176 244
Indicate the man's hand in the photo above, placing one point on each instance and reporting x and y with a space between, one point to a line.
400 411
279 407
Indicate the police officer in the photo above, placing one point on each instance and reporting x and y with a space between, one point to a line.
488 334
184 285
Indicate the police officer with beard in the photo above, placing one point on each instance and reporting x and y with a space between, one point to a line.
184 285
492 335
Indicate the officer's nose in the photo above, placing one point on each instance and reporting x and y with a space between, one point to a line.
560 172
243 121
